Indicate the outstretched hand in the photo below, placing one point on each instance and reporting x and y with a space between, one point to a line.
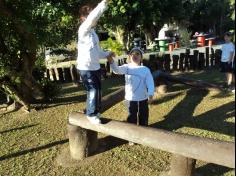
110 59
112 54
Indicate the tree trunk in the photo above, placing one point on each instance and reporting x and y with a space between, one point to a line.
27 90
150 34
29 82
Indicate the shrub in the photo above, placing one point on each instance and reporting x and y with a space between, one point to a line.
185 37
39 68
112 45
50 89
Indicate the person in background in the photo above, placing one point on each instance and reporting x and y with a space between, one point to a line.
139 87
89 54
227 61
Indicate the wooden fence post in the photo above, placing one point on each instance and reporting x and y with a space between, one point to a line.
167 61
218 53
146 63
119 62
153 62
56 74
73 73
207 57
175 62
125 60
195 59
52 75
191 62
212 56
104 71
108 68
182 166
181 61
67 75
186 63
201 61
48 74
61 75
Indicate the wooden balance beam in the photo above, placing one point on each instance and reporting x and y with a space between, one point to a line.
186 148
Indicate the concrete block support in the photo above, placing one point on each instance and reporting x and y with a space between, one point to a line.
83 142
182 166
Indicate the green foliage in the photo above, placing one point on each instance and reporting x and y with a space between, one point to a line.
27 26
135 16
112 45
185 37
211 14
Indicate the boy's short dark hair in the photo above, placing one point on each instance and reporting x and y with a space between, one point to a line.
229 34
136 49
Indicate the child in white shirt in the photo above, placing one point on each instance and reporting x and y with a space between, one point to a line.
227 60
89 54
139 86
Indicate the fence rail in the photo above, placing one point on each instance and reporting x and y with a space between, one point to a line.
181 61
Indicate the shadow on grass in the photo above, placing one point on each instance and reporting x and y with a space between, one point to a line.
214 120
109 143
212 170
60 102
19 128
212 76
182 114
67 96
223 94
20 153
166 98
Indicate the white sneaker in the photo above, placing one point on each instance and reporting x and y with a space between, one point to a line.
233 91
94 120
131 144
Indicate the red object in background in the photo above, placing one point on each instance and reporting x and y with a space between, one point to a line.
210 42
201 41
171 46
177 45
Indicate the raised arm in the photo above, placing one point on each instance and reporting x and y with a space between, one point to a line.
121 70
93 17
104 54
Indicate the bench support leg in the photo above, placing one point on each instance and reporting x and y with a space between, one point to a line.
83 143
182 166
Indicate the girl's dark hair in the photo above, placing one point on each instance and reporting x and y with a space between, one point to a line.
85 10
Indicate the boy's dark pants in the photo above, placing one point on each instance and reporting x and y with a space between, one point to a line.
138 112
92 83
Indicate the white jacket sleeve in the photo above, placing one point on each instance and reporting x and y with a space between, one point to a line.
121 70
93 18
103 54
150 84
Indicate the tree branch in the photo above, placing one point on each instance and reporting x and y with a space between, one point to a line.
20 27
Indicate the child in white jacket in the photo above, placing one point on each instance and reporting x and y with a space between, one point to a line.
139 86
89 54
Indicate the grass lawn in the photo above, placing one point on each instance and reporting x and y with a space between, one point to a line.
31 143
